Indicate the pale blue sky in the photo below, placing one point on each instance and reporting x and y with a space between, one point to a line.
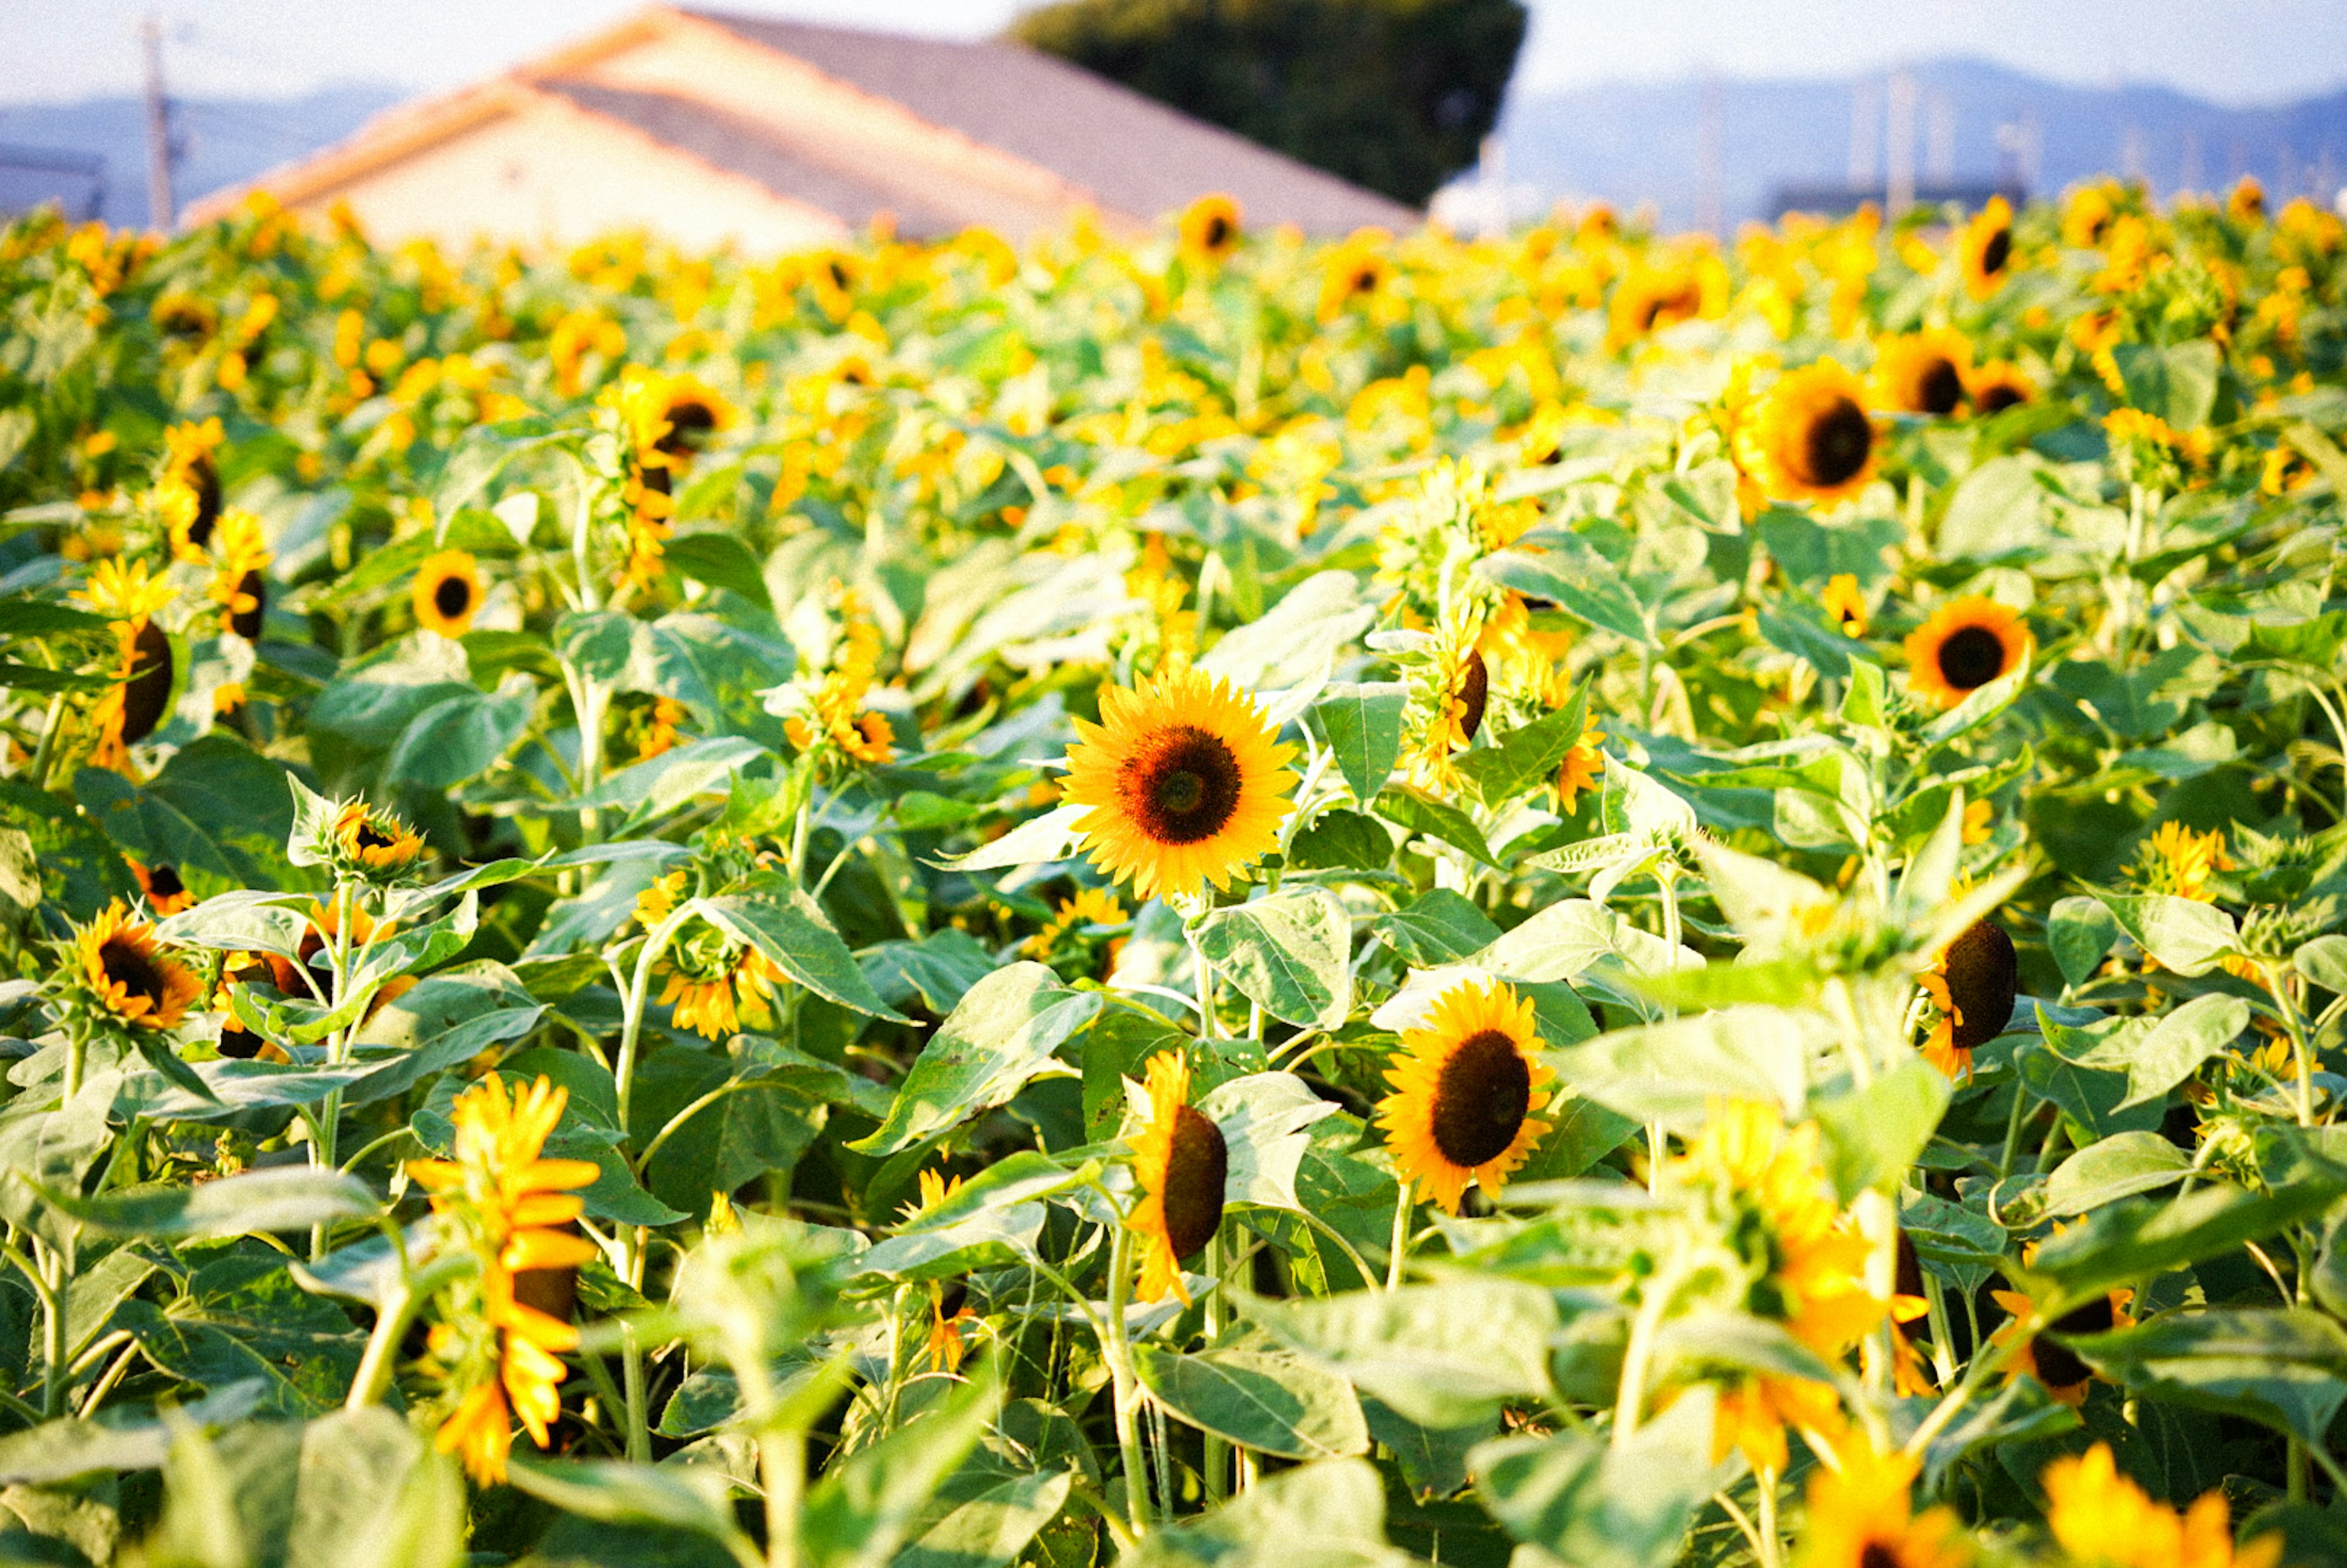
2235 51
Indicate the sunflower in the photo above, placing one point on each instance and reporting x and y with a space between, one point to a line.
2179 862
1967 643
2086 215
1210 229
1998 385
1456 687
1860 1515
1180 1160
1579 769
1924 372
1355 270
373 843
1662 294
130 978
2247 203
1985 247
2057 1367
1467 1084
713 980
1846 602
1972 987
1184 780
693 413
189 467
166 894
448 593
2100 1515
238 587
1810 435
145 669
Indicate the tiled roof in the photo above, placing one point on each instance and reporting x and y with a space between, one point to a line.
1132 153
739 145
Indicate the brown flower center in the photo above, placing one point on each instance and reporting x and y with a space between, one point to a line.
1474 694
688 422
246 623
163 882
1835 445
1217 233
1984 977
1196 1164
1183 786
1939 388
1997 398
2058 1366
204 479
452 596
146 695
1996 252
1970 657
1879 1554
1481 1099
136 971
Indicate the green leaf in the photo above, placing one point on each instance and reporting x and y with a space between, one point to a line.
990 1220
1526 757
369 1494
2090 1096
256 1203
1439 926
2081 932
2184 934
458 739
722 560
992 1527
1288 952
1873 1134
1670 1072
1264 1119
859 1513
1408 809
2324 961
1273 1403
1441 1355
1035 842
1583 1500
1565 568
1361 724
612 1492
1003 1034
2137 1240
791 932
2286 1367
1329 1513
652 789
2119 1166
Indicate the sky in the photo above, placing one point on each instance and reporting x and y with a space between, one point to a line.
2237 52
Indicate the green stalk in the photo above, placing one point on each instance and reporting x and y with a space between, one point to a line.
1125 1386
782 1465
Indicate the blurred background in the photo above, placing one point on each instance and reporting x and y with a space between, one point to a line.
1708 113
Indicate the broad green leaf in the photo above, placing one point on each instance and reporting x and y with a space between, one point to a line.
991 1219
1441 1354
1264 1119
2285 1367
1328 1513
2137 1240
991 1529
258 1202
1873 1134
790 930
859 1513
1035 842
2324 961
2090 1096
1260 1400
1670 1072
457 739
370 1493
612 1492
1583 1500
1527 757
1438 927
1565 568
1362 726
653 788
2119 1166
2081 932
1418 813
1003 1034
1288 952
2184 934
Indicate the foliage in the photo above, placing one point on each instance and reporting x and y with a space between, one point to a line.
1724 947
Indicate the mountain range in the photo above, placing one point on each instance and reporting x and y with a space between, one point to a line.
1628 144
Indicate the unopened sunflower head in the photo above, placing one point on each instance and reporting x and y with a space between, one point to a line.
373 845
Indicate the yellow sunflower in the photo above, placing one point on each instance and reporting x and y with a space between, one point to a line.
1985 247
2057 1367
1579 769
2247 203
1184 781
2099 1515
1181 1161
1456 687
714 980
1355 270
1210 229
1860 1515
1810 437
693 412
1846 602
1972 986
448 593
238 587
373 841
2175 860
1967 643
166 894
1466 1085
1662 294
1998 385
1924 372
133 980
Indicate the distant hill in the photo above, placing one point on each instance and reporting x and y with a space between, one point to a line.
1628 144
224 141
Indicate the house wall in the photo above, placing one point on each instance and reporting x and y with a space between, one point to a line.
547 172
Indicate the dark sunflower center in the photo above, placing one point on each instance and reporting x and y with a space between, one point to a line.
1835 445
1474 694
146 695
1939 389
1187 786
956 1296
1218 232
688 422
370 837
1972 656
1196 1164
130 968
163 882
1481 1099
656 480
452 596
1878 1554
839 275
246 623
204 479
1996 252
1664 310
1365 280
1984 976
2057 1365
238 1042
1997 398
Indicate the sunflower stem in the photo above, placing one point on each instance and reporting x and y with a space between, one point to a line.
1400 1249
1772 1544
1203 973
1125 1386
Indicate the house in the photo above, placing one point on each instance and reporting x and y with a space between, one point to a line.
706 129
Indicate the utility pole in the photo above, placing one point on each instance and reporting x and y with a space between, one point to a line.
1900 192
1711 157
162 211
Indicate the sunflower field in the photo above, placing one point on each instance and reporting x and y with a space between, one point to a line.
1584 898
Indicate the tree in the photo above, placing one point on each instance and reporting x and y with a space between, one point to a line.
1394 95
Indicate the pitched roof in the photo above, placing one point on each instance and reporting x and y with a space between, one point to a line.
740 144
1131 152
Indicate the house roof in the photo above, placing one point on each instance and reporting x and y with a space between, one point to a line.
1132 153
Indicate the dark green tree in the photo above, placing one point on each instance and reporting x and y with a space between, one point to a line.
1394 95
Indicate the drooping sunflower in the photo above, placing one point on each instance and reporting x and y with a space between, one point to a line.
1985 247
166 894
448 593
1184 779
1664 292
693 412
129 976
1998 385
1181 1161
1454 692
1967 643
1924 372
1972 986
1210 229
1861 1515
2055 1366
1810 437
189 465
713 980
1467 1087
238 586
373 843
